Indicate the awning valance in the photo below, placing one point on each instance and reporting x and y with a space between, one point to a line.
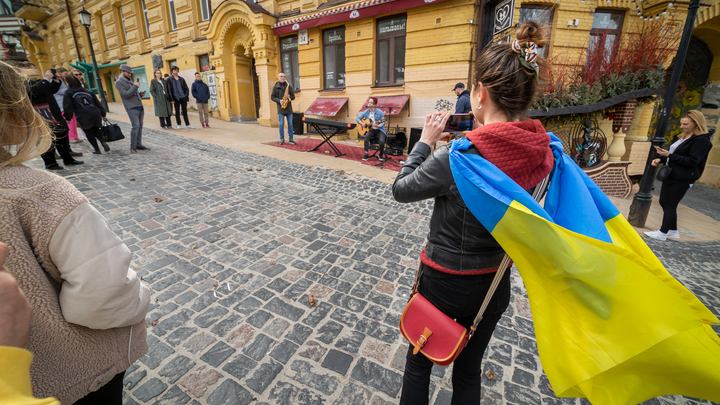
390 105
327 107
348 12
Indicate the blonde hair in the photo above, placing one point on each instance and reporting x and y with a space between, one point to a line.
24 135
699 119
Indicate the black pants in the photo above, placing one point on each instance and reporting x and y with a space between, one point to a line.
94 135
460 298
167 122
61 143
182 104
108 394
670 196
375 133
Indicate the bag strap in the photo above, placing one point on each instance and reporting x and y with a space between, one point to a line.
504 265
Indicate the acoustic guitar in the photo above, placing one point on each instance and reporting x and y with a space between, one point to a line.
362 131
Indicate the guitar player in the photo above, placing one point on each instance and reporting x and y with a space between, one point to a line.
375 119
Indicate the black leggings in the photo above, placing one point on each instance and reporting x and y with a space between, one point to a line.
61 143
165 122
670 196
460 298
93 135
108 394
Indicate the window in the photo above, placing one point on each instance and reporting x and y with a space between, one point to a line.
604 35
204 62
543 16
289 58
171 63
103 33
124 31
334 56
391 51
205 9
145 17
173 16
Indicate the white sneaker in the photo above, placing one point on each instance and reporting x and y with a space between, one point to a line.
656 235
179 126
189 126
673 234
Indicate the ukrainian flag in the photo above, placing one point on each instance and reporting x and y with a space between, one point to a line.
612 325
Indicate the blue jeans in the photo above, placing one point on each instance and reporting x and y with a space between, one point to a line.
281 118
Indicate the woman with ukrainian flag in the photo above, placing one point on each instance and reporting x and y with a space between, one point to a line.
612 325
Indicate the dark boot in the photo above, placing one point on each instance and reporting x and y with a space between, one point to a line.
104 144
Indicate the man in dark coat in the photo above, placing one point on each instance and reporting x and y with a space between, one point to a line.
201 92
179 96
277 95
42 95
463 102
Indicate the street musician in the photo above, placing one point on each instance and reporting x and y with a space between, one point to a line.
283 94
372 123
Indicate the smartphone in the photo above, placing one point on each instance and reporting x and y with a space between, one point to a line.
53 71
459 123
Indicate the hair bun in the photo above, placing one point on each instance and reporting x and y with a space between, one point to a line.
531 31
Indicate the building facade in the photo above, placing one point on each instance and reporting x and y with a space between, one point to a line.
337 53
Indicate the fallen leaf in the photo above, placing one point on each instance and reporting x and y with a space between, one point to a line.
490 375
548 385
132 179
273 262
311 299
255 229
258 170
250 169
158 199
155 322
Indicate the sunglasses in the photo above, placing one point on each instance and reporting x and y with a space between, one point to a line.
78 74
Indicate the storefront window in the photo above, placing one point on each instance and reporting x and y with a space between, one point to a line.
391 51
543 16
334 56
289 58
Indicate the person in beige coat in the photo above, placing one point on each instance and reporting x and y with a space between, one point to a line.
89 307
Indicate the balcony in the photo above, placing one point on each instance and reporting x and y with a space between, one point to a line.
35 13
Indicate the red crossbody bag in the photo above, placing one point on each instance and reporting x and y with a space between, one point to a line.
435 334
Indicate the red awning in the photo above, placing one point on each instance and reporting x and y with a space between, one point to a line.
390 105
327 107
367 8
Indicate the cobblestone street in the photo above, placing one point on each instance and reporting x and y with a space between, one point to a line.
231 243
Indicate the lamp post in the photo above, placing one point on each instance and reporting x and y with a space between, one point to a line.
85 18
642 201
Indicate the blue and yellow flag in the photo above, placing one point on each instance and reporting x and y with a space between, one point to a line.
612 325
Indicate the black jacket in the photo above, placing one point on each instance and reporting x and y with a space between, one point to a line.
456 240
688 160
278 92
172 91
88 116
463 103
43 100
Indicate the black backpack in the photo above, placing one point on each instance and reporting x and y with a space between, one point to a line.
84 103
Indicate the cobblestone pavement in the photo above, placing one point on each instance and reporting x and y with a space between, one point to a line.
231 244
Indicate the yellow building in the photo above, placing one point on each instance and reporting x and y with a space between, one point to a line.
412 51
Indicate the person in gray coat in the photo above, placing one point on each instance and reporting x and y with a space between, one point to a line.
131 98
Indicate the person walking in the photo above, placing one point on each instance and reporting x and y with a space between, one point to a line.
161 100
83 104
201 92
282 92
179 96
461 257
131 97
376 117
88 305
463 101
686 157
42 95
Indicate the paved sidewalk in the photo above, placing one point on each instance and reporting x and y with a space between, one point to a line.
231 243
694 226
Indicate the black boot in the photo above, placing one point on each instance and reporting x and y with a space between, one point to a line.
104 145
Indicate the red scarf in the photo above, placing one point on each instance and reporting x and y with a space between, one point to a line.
520 149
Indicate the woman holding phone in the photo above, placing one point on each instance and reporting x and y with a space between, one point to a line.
461 257
686 157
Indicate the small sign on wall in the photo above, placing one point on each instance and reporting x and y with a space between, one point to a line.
504 13
303 37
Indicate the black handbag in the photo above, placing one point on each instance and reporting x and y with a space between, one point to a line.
111 132
664 173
